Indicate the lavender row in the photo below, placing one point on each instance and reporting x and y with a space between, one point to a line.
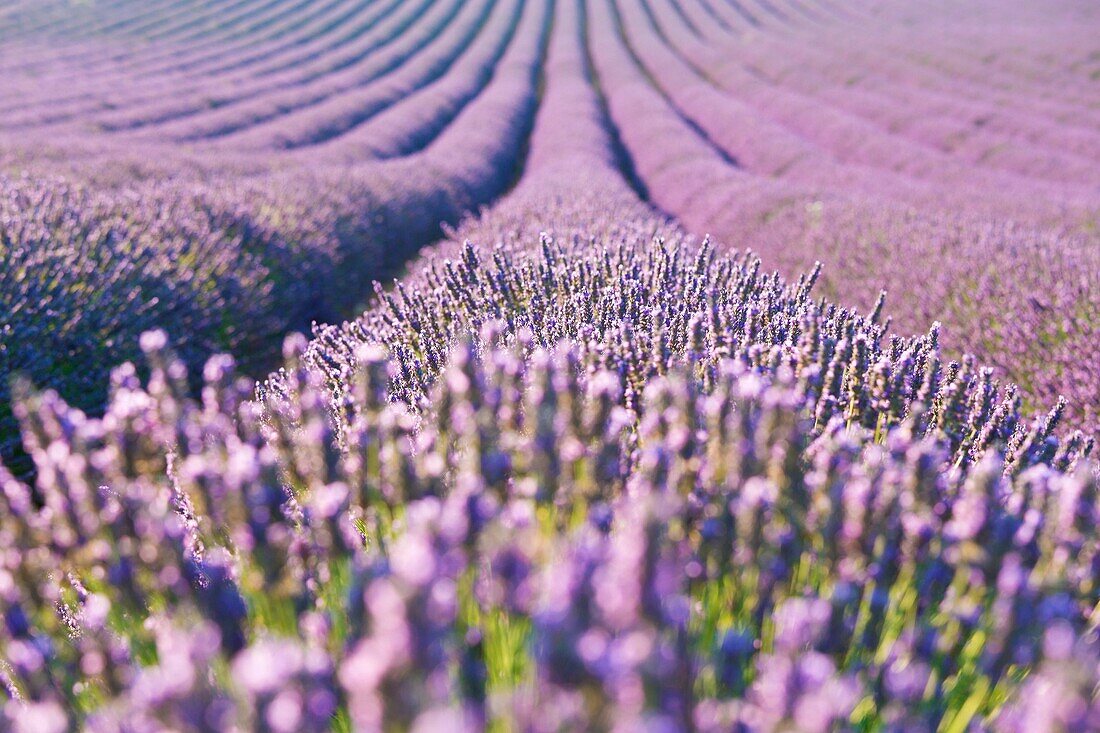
889 92
416 119
884 68
793 227
337 115
955 50
190 71
36 18
285 36
587 536
323 75
397 41
856 141
304 246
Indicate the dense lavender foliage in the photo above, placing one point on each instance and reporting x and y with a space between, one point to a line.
726 138
580 467
764 531
807 133
234 260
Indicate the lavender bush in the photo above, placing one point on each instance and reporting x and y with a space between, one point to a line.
573 537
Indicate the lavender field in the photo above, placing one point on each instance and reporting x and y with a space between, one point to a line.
669 365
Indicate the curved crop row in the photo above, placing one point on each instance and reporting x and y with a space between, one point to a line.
888 91
793 230
382 48
412 122
307 244
116 16
852 140
336 115
381 24
190 70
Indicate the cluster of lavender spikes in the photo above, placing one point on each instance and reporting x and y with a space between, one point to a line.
757 511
